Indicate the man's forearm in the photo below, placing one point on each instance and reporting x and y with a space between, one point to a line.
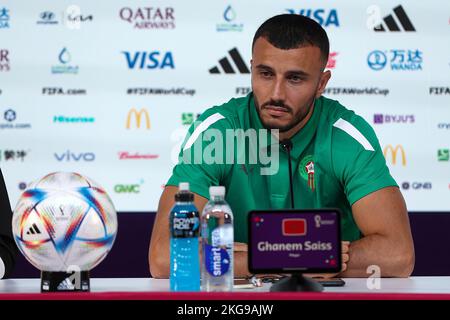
376 251
240 264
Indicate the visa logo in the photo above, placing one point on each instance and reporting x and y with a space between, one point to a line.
325 19
149 60
294 227
70 156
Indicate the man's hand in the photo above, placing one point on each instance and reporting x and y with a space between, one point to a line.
345 257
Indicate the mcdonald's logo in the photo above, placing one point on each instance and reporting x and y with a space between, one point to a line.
394 152
137 115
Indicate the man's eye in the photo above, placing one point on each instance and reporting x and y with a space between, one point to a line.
265 74
295 79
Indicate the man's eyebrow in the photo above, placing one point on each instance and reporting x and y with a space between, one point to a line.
300 73
263 66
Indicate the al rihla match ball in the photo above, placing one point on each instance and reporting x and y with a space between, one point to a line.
64 221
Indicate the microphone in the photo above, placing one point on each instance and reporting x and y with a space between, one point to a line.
287 146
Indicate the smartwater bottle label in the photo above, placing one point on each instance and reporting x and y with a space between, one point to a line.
217 260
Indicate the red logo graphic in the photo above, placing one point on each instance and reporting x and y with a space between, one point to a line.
294 227
331 64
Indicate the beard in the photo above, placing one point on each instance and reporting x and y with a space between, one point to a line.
298 117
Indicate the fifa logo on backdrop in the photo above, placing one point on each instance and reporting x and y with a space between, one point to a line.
393 152
137 116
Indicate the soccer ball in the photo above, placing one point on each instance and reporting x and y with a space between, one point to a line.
64 222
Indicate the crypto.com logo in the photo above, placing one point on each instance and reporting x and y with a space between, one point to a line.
137 115
393 152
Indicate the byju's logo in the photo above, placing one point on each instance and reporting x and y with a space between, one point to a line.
10 116
387 118
4 18
443 155
324 17
149 17
393 152
4 60
64 58
439 91
70 156
399 60
149 60
390 22
226 67
229 15
47 18
137 115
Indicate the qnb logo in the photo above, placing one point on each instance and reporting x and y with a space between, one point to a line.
127 188
393 152
226 66
324 17
69 156
393 22
417 185
293 227
137 115
149 60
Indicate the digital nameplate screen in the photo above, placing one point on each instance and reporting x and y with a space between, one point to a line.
294 241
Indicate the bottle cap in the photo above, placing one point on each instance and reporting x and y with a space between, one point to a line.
184 195
183 186
217 191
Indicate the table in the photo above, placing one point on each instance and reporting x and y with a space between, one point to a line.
158 289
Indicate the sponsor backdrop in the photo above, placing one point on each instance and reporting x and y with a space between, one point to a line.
108 89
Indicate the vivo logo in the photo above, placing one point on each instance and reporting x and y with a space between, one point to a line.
444 126
70 156
149 60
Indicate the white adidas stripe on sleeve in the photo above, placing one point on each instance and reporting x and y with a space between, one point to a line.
354 133
202 127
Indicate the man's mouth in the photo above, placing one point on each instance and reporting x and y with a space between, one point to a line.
276 111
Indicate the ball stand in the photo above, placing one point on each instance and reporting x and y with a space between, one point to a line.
77 281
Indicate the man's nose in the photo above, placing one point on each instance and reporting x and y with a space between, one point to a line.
278 90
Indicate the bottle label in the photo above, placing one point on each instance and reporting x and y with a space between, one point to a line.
185 226
217 260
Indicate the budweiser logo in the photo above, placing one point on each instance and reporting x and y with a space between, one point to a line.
136 156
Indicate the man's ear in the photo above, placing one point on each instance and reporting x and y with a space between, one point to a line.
323 82
251 64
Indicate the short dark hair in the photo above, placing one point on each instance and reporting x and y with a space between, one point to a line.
291 31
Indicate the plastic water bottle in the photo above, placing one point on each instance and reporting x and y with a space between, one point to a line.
184 242
217 243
